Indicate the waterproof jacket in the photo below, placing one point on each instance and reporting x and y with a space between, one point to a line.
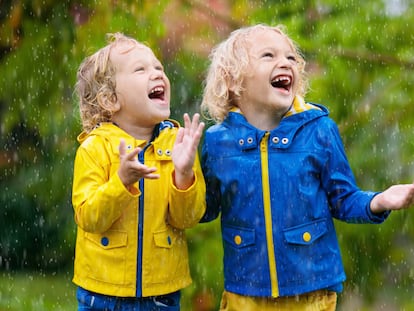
131 242
278 192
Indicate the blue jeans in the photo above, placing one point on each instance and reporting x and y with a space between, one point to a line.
89 301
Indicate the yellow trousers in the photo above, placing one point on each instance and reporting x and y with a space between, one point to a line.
322 300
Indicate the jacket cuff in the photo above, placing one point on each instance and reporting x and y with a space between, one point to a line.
376 218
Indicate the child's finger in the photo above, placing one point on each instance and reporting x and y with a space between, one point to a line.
121 148
180 135
123 154
195 123
187 122
133 154
152 176
149 173
198 133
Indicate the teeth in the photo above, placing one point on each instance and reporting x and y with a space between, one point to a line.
157 90
282 78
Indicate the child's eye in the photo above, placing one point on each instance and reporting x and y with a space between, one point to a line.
267 54
292 58
139 69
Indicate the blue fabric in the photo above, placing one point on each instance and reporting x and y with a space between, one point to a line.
89 301
310 182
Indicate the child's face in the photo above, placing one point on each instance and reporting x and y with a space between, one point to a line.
142 88
271 83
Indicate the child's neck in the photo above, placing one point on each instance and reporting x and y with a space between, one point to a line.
265 121
138 132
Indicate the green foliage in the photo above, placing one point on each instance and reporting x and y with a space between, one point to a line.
37 291
36 125
206 257
360 65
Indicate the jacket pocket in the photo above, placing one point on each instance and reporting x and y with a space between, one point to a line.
106 256
167 257
307 233
240 253
238 237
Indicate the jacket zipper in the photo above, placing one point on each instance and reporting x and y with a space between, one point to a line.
140 230
141 158
268 215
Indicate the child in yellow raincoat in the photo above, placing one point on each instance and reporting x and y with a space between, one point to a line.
137 183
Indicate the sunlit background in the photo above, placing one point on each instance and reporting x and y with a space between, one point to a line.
360 61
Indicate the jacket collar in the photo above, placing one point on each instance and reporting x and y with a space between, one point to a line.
299 105
299 114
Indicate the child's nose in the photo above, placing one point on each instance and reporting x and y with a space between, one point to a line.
156 74
285 62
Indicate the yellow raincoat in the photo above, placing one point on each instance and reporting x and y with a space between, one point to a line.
131 242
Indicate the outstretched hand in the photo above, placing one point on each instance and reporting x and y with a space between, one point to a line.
130 169
185 150
394 198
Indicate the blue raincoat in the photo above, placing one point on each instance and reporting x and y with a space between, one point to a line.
278 193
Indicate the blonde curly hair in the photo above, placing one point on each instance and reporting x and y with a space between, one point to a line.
229 63
96 86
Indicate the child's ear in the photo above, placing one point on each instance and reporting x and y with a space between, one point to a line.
116 105
110 103
231 85
234 90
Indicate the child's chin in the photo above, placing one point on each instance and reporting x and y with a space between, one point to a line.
165 114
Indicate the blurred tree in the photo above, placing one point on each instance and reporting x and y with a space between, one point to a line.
36 125
360 64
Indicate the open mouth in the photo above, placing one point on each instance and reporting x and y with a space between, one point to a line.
282 82
157 93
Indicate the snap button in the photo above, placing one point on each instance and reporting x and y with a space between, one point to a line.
275 140
129 147
241 142
168 152
249 140
306 236
105 241
237 239
159 152
285 140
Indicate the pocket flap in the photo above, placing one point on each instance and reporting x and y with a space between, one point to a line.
163 239
109 239
307 233
239 237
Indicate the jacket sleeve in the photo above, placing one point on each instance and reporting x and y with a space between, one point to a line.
348 203
213 195
186 207
98 197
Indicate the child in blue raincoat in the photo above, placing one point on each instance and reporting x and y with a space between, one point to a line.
276 170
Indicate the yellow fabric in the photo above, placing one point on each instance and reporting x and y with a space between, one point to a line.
106 211
315 301
299 105
268 214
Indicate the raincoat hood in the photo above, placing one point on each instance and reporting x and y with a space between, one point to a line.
102 130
